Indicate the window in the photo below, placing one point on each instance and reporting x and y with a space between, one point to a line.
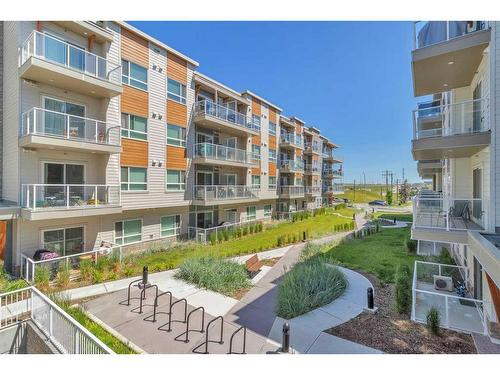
272 155
134 75
272 182
170 226
64 241
272 128
134 127
176 91
176 135
251 213
134 179
268 209
128 231
175 180
256 121
255 182
255 152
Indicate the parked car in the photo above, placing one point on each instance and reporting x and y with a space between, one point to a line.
378 202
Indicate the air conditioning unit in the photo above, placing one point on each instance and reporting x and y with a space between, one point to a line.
443 283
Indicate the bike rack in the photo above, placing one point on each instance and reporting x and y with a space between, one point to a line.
206 335
143 295
156 305
244 341
169 329
186 340
130 286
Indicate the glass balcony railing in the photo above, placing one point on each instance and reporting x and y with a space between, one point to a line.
209 108
43 122
219 152
329 172
313 190
311 168
333 188
292 165
457 118
62 196
55 50
292 190
291 139
308 146
224 192
428 33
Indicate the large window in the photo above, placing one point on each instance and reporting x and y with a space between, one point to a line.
272 155
170 226
256 121
255 152
134 75
268 210
251 213
255 182
272 182
176 135
135 127
128 231
64 241
176 91
272 128
175 180
134 179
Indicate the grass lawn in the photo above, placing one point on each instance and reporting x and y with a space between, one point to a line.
378 254
408 217
362 195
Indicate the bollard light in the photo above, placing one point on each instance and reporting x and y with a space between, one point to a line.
369 296
394 220
304 236
145 275
285 345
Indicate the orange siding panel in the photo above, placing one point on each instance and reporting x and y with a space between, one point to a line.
176 158
134 101
256 171
256 140
176 68
272 115
495 294
134 48
272 142
298 152
272 169
256 107
176 113
135 153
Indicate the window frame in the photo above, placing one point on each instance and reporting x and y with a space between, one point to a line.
181 185
256 186
128 183
43 231
256 156
254 216
174 96
272 186
270 213
177 229
122 129
273 131
123 231
129 78
272 158
181 141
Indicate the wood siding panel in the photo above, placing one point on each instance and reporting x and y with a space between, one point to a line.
256 107
176 68
495 294
256 171
272 169
256 140
176 158
176 113
273 116
134 101
298 152
135 153
272 142
134 48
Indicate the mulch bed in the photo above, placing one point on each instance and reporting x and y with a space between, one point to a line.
270 262
394 333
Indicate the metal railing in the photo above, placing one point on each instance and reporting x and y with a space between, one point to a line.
427 33
456 312
449 213
219 152
308 146
292 191
203 234
313 189
224 192
69 336
51 49
61 196
327 172
292 139
292 165
334 188
312 168
451 119
29 266
209 108
38 121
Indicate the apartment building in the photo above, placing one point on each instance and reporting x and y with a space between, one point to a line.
456 71
109 136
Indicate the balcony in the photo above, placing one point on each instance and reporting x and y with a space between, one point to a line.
209 153
291 191
454 130
442 219
311 169
447 54
291 166
223 119
86 28
49 60
313 190
332 173
46 129
427 168
289 140
54 201
311 148
333 189
230 194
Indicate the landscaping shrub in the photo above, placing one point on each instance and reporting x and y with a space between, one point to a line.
63 275
310 250
307 286
445 257
433 320
280 241
411 246
340 206
97 276
225 234
216 274
289 238
245 230
402 292
213 238
388 197
42 277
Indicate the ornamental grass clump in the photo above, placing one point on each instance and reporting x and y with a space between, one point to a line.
308 285
433 320
215 274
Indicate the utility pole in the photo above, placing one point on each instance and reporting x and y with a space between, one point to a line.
397 190
403 175
354 199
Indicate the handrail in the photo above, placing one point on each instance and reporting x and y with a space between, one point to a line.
207 331
186 340
244 340
461 28
211 108
169 329
221 152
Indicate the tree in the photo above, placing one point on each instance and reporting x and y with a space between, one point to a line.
388 197
404 192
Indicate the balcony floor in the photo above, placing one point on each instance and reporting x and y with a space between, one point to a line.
439 222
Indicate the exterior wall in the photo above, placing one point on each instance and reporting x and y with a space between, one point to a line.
1 105
495 114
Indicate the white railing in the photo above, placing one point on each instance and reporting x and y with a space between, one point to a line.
334 188
449 213
291 138
69 336
62 196
292 191
223 192
311 146
219 152
209 108
38 121
458 313
467 117
313 189
427 33
51 49
29 266
292 165
205 234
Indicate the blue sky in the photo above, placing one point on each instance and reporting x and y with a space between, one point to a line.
350 79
